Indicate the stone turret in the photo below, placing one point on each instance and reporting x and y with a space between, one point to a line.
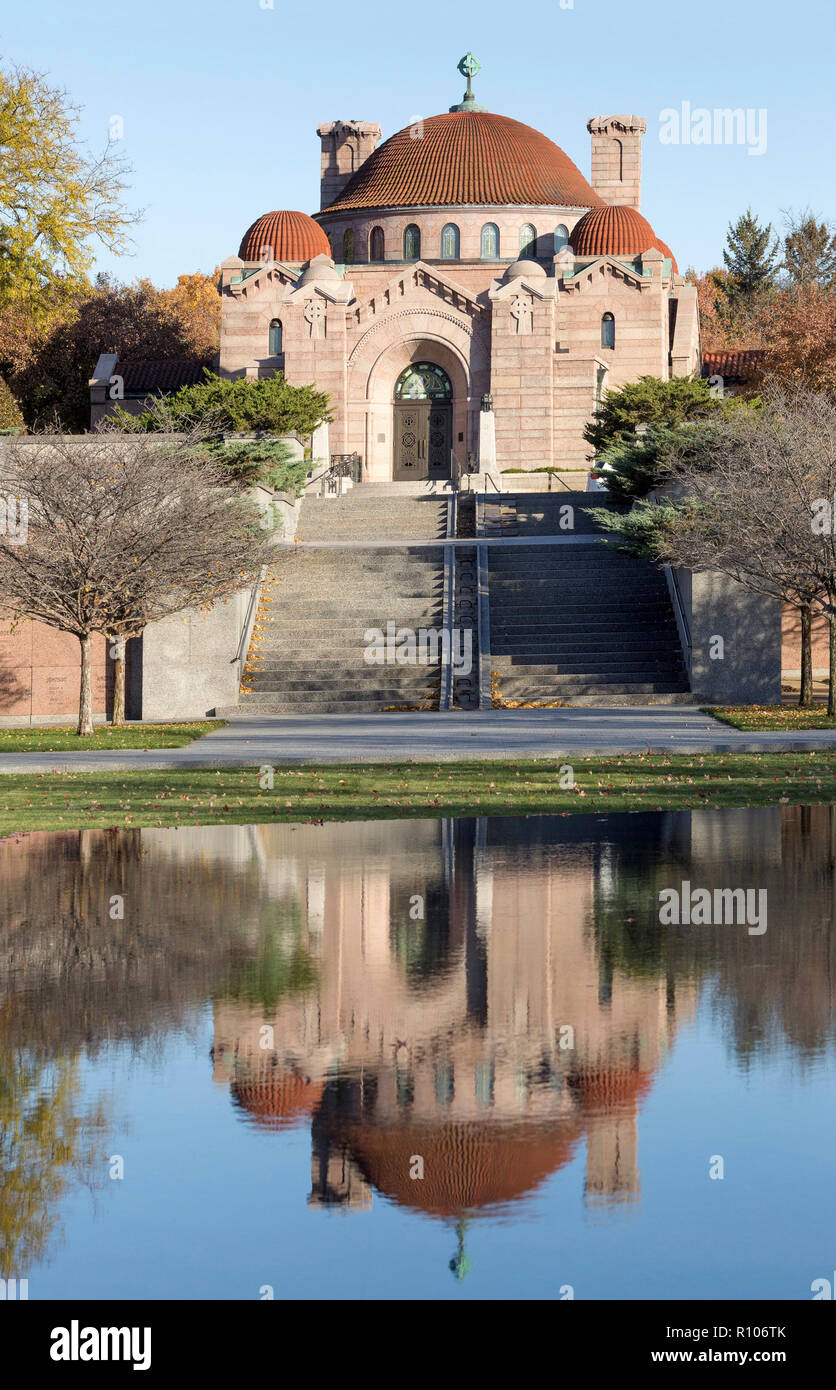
345 146
617 158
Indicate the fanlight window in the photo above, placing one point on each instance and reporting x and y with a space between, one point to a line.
608 331
423 382
377 245
490 242
275 344
528 242
348 247
561 238
450 242
411 243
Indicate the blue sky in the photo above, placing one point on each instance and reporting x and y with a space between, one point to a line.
220 99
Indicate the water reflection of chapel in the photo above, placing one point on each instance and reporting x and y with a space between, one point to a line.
445 1035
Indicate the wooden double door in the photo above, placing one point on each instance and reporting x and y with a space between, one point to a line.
423 440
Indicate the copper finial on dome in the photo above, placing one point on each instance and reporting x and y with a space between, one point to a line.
468 66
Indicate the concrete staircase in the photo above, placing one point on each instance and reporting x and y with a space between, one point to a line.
578 622
308 645
364 513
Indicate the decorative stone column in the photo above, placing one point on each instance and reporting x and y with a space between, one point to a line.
487 441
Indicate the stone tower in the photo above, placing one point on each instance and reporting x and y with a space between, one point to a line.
617 158
345 146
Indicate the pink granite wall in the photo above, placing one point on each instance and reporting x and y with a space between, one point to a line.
40 673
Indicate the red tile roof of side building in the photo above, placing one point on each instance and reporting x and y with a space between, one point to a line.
733 364
147 377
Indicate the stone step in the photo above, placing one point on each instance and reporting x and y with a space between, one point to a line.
571 687
534 663
335 704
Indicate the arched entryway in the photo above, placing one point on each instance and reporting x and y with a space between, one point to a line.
423 423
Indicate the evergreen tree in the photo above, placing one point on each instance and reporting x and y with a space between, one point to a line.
750 258
809 250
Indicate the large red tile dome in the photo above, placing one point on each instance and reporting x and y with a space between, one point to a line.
615 231
292 236
467 158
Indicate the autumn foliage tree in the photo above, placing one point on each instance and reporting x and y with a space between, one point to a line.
48 363
56 199
800 335
123 531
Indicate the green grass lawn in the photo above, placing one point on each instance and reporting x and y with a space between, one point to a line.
64 739
61 801
762 718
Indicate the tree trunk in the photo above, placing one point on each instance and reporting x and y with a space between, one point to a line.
117 648
805 699
831 684
85 701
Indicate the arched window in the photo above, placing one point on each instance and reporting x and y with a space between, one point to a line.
377 245
411 243
348 247
608 331
528 242
423 381
275 342
490 242
450 242
561 238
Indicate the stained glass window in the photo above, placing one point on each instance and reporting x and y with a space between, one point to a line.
377 245
608 331
490 241
528 242
450 242
561 238
348 247
411 243
423 381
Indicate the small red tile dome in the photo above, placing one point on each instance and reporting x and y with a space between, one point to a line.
291 236
615 231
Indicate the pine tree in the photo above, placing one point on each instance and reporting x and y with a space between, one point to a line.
751 259
809 250
11 420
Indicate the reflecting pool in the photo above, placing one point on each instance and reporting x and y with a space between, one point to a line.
433 1059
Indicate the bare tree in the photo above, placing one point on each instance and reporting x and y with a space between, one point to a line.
123 530
760 509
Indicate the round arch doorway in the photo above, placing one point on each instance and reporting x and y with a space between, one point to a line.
423 433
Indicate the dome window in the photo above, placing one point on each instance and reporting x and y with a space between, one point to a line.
528 242
608 331
348 247
561 238
490 242
450 242
411 243
377 245
275 348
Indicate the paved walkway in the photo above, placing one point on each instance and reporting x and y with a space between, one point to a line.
431 736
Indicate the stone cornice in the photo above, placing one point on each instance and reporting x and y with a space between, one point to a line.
611 265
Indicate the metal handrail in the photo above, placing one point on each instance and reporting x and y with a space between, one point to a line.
249 620
679 612
445 699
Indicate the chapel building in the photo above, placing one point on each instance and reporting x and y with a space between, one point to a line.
464 294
